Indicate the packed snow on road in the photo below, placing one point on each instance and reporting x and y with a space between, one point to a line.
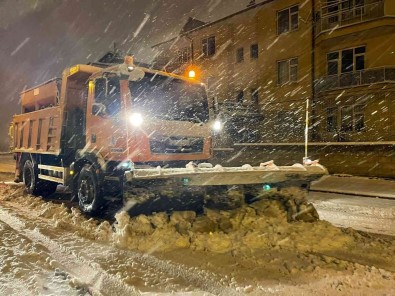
50 248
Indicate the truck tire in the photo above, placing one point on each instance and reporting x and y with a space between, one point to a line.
89 193
32 184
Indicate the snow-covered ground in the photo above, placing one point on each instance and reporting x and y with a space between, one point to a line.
376 215
50 249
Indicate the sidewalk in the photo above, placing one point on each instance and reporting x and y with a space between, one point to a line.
355 185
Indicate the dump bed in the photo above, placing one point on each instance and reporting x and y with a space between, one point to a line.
38 128
42 96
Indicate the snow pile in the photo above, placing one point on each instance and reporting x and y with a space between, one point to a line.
261 225
276 223
63 217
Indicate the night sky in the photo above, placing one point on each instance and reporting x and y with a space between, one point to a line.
39 38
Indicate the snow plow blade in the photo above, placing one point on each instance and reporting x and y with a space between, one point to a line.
164 189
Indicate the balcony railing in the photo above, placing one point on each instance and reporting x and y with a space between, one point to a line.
343 13
363 77
238 109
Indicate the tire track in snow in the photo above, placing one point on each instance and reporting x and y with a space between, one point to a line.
90 274
103 283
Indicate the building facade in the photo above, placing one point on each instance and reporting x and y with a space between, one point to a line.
355 70
266 65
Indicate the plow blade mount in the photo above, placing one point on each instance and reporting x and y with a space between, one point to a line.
164 189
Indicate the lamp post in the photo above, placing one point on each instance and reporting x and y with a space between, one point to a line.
306 133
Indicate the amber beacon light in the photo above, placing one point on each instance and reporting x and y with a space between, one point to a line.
192 74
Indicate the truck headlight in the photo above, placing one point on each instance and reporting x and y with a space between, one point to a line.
136 119
217 126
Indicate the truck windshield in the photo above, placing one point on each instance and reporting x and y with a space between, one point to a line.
169 98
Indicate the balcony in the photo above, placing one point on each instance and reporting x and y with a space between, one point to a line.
352 79
234 109
344 13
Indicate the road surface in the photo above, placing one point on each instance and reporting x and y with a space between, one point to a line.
47 248
7 163
376 215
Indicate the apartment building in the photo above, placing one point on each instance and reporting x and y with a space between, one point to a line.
264 64
355 70
256 64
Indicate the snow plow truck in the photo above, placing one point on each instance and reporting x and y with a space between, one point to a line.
138 135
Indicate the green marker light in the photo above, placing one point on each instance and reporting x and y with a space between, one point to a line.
267 187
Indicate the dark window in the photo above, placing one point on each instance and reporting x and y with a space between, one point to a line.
287 71
283 21
360 58
293 70
332 8
282 72
333 62
184 55
350 4
288 20
331 119
254 96
347 119
239 55
359 117
240 97
345 61
254 51
359 63
208 46
294 15
333 5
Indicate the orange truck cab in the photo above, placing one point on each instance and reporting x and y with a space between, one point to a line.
103 121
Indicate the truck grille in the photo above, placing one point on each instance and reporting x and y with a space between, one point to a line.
171 145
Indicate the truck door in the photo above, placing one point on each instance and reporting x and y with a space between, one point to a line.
104 124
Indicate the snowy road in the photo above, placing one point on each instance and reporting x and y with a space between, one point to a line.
50 249
41 260
369 214
47 250
7 163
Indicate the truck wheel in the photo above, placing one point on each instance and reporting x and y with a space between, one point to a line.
32 184
89 193
29 177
